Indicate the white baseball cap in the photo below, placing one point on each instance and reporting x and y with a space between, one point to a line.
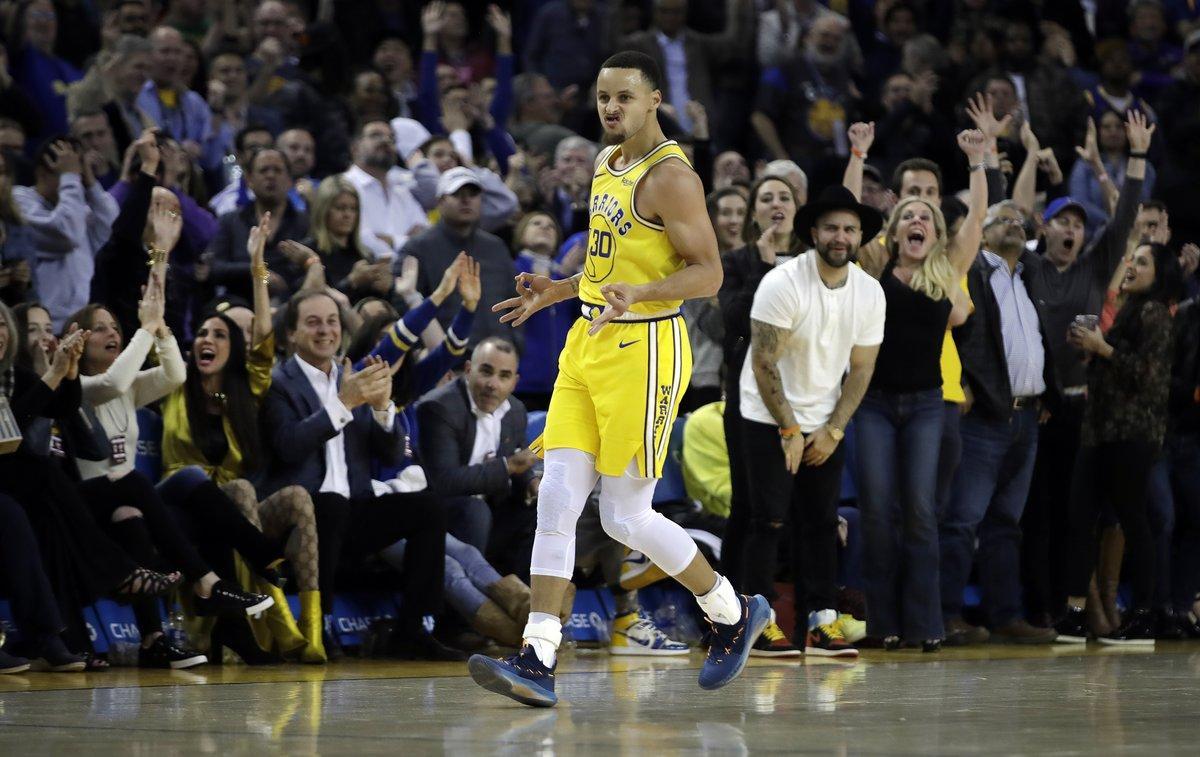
455 179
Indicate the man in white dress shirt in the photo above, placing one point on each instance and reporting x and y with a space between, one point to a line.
391 199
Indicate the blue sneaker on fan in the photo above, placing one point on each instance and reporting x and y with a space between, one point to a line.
636 633
522 677
730 646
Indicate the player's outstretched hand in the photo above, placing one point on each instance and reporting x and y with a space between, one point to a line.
619 297
534 292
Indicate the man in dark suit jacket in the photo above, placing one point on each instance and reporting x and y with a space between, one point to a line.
471 443
1009 370
323 431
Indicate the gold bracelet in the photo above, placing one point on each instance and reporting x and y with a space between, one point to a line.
157 256
260 272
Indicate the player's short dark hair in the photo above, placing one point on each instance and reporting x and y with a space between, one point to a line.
1158 205
640 61
916 164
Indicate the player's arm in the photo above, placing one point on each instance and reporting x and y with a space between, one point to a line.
766 349
673 193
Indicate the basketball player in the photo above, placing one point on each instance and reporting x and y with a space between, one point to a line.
625 365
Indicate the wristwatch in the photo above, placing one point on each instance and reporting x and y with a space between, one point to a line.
835 432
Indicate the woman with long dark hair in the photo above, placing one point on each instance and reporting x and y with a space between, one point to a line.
768 241
123 499
211 444
1124 423
82 562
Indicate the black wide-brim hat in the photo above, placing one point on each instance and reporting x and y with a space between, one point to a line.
832 198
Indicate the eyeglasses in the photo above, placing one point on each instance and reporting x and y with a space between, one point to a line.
1007 221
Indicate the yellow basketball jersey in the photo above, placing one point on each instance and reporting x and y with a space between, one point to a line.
622 246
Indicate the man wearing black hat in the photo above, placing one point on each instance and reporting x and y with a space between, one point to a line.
812 317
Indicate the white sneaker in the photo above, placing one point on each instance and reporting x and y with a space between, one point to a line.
635 633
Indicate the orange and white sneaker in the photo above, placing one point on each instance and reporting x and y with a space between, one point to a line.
825 637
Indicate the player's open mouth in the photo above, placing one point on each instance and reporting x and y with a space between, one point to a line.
612 120
916 239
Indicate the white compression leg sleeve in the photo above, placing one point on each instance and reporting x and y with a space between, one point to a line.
627 516
567 480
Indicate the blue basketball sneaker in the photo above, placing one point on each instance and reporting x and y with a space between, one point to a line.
522 677
730 646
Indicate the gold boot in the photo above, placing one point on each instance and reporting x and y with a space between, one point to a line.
312 623
1108 572
278 622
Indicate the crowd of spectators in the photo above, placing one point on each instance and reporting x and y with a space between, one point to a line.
265 236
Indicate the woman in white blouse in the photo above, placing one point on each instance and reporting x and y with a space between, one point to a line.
124 500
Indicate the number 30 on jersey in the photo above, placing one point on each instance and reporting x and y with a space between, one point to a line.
602 248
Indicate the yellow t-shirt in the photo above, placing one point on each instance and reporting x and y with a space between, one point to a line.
623 246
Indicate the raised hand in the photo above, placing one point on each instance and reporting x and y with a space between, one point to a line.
1139 130
152 306
620 297
433 18
974 143
1029 140
534 292
982 114
469 287
64 158
449 279
256 243
695 110
862 136
766 243
1091 147
167 224
1048 164
497 19
296 253
1189 259
406 282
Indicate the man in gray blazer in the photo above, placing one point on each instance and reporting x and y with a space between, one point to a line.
471 439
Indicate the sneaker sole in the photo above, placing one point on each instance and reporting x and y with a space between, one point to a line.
1126 642
757 626
72 667
485 672
640 651
261 607
189 662
1069 639
820 652
776 654
14 669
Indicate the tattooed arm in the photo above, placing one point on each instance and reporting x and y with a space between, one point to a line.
766 348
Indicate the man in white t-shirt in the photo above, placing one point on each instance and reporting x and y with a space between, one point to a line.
815 329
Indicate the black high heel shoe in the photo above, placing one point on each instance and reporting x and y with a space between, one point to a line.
143 582
234 633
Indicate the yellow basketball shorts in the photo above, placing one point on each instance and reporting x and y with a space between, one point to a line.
617 393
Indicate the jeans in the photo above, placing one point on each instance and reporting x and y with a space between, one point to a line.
468 575
469 520
850 557
989 497
806 502
899 439
949 454
1174 509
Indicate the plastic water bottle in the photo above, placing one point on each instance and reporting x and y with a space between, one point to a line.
175 630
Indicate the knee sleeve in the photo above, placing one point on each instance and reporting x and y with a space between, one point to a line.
627 516
567 481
